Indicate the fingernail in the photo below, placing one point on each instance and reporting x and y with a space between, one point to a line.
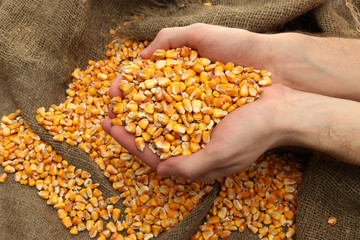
164 171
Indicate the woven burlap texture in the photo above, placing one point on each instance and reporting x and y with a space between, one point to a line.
42 42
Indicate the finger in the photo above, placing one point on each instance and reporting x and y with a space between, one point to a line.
191 167
111 113
220 172
168 38
127 140
106 124
114 90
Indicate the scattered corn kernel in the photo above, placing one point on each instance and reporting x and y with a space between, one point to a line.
3 177
332 221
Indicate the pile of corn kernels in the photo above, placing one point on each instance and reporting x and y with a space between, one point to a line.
262 198
174 100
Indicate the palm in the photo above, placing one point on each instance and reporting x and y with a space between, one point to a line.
247 126
239 139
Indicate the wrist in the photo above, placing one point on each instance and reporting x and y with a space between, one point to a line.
286 55
323 65
287 128
280 52
300 119
279 110
325 124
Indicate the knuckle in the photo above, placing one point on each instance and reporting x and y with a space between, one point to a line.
198 25
187 172
164 32
195 28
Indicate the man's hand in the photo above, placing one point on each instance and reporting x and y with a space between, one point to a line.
217 43
282 116
237 141
327 66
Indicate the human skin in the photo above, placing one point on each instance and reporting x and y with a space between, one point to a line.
324 65
312 103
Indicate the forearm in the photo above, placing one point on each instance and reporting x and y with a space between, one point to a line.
328 66
325 124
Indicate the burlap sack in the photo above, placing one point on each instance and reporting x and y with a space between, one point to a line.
330 188
42 42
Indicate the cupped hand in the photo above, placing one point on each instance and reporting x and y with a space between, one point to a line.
327 66
237 141
124 138
217 43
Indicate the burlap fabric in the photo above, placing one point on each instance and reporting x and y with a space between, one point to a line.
42 42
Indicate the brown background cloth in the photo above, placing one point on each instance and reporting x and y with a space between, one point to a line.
42 42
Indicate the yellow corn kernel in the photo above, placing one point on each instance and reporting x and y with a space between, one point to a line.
146 136
150 83
140 143
187 105
219 113
172 54
66 221
244 91
229 66
253 229
204 77
9 169
241 102
265 81
194 147
180 108
158 54
198 68
290 232
222 213
163 119
3 177
179 129
111 227
196 105
143 123
331 221
71 142
177 151
118 108
74 230
225 106
230 76
93 231
252 90
204 62
232 108
163 146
